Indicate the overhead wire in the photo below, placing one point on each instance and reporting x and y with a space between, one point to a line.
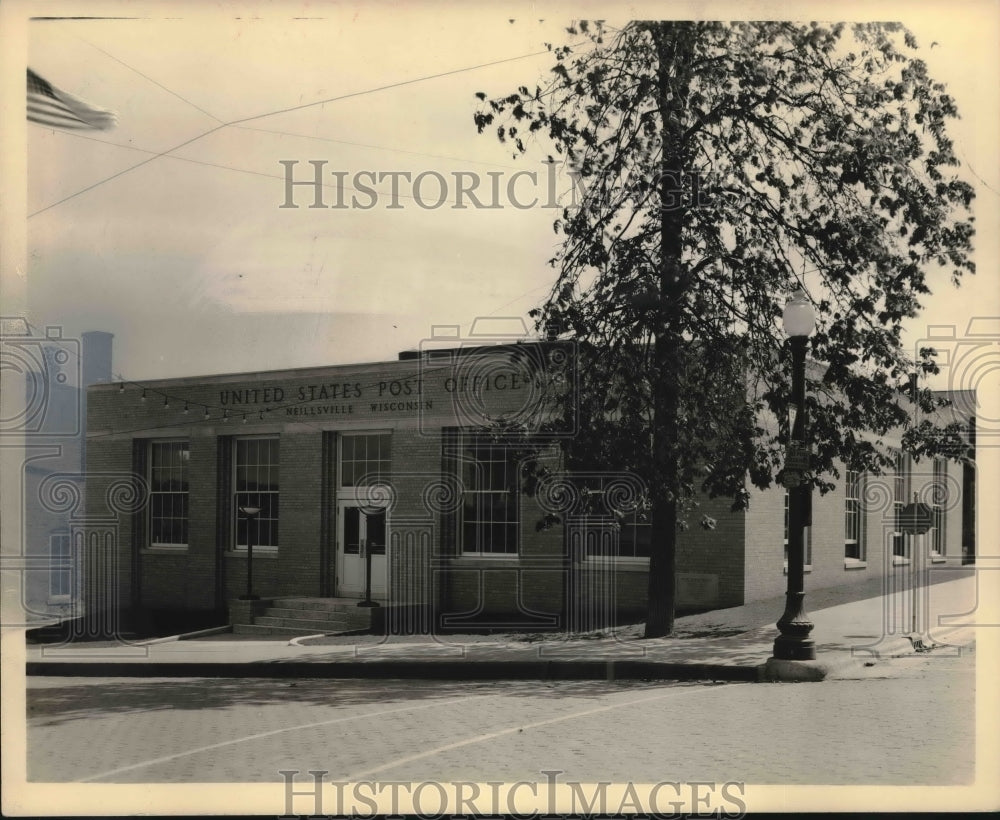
331 185
150 79
375 147
236 122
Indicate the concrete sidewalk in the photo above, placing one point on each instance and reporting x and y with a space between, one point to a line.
731 644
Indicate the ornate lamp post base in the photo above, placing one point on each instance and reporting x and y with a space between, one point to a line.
794 643
790 648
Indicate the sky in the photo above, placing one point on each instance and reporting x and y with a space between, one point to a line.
190 260
196 268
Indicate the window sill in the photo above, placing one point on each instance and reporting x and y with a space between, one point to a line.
855 563
162 548
899 561
939 559
626 564
806 568
258 552
488 556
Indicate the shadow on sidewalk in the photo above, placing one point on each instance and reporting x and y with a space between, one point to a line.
76 699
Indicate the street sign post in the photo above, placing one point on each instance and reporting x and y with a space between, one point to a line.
796 464
916 518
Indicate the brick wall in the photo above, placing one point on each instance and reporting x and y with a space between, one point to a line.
208 572
185 579
710 567
740 560
765 524
763 544
104 531
525 590
717 551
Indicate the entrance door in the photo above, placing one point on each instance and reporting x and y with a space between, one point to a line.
360 530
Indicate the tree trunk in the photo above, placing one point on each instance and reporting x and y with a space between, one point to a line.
662 568
673 45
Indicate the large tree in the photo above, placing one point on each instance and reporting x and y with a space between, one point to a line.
725 165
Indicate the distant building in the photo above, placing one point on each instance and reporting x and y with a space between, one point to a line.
388 460
56 375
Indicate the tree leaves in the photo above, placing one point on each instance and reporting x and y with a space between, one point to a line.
725 164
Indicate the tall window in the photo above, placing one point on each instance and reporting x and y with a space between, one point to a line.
487 518
854 534
939 491
168 500
634 527
364 458
635 535
60 566
900 491
806 537
255 484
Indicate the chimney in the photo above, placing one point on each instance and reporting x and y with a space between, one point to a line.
96 357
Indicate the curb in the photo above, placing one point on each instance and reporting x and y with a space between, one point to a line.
435 670
295 641
831 664
186 636
782 671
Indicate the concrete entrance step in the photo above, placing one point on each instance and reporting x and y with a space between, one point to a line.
324 604
307 624
316 615
308 614
305 616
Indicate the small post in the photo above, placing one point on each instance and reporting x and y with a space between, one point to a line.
368 602
250 514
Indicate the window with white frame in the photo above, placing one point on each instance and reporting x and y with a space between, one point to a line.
938 495
900 491
168 493
60 566
255 484
364 458
634 527
854 525
487 519
806 536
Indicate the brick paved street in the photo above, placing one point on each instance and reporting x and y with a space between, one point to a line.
910 721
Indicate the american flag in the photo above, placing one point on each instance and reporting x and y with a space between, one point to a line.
48 105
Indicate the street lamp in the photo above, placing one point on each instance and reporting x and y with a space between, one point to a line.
250 514
794 644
